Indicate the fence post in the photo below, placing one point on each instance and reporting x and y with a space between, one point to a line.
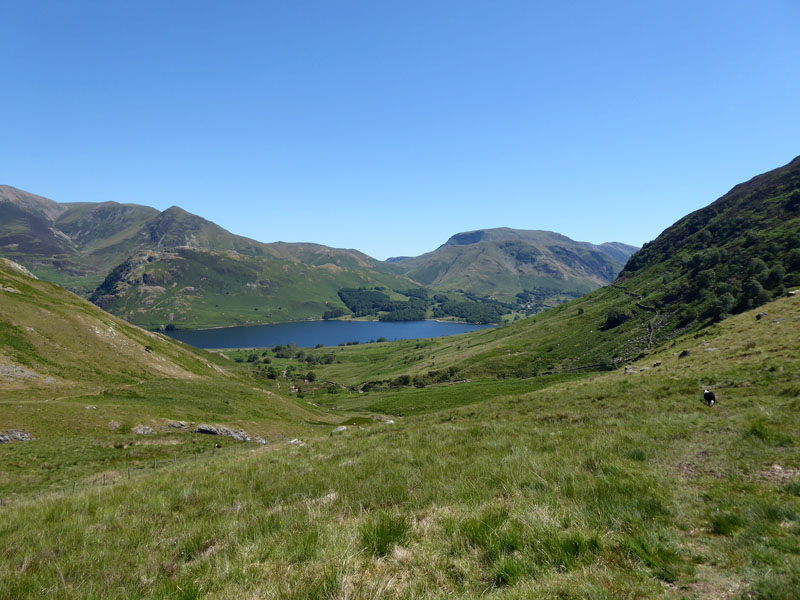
154 464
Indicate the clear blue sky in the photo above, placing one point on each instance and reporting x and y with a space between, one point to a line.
388 126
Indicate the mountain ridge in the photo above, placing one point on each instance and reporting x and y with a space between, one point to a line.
81 245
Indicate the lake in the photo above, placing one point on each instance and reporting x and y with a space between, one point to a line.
310 333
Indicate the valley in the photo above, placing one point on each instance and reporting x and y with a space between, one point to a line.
565 453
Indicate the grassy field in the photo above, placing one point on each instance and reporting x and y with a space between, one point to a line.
606 486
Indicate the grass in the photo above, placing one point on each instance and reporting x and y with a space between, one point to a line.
606 486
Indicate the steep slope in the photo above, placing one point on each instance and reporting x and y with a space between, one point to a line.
71 375
59 339
512 264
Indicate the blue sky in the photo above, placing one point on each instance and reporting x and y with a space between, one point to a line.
389 126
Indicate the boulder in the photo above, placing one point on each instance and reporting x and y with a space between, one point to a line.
143 430
339 429
236 434
15 435
207 429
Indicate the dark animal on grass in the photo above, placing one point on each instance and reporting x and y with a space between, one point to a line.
709 397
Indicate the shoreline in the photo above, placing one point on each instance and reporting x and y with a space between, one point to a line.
164 331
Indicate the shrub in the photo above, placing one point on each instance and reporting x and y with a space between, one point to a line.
614 319
725 522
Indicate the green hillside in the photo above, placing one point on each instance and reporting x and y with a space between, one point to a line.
192 287
79 380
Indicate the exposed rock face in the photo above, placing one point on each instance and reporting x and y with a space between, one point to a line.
236 434
15 435
143 430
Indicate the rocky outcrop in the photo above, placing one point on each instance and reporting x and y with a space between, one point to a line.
15 435
237 434
143 430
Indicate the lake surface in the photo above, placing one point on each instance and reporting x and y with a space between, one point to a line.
310 333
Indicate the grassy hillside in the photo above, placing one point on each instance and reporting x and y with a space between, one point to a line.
610 486
80 380
201 288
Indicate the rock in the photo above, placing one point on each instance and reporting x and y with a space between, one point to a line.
178 425
388 422
684 354
657 363
630 370
259 440
296 442
207 429
760 316
113 425
339 429
15 435
143 430
793 293
90 407
236 434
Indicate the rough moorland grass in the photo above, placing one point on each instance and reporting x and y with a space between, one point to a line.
613 486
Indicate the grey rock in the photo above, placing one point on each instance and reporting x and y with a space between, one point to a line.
207 429
236 434
143 430
178 425
339 429
760 316
15 435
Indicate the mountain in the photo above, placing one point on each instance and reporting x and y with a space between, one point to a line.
509 263
155 267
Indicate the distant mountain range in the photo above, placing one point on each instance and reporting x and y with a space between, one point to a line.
155 268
